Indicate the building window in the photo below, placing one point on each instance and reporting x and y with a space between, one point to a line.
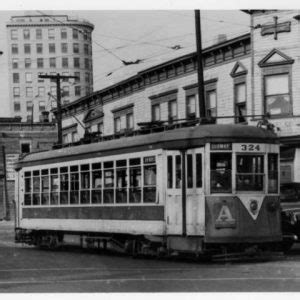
78 90
16 92
27 63
172 110
100 127
40 63
65 62
29 92
14 34
14 49
211 103
64 48
42 106
39 48
53 79
85 35
25 148
51 48
65 74
77 75
51 33
240 102
17 107
27 48
86 63
87 77
38 33
29 106
63 33
52 62
86 49
75 34
53 90
29 118
40 79
16 78
277 94
123 119
41 91
76 48
28 77
66 91
156 112
15 63
76 62
26 34
191 107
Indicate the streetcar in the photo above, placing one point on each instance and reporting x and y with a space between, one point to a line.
203 189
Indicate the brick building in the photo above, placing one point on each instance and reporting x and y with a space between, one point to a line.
18 138
247 79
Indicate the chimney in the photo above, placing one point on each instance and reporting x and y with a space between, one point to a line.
221 38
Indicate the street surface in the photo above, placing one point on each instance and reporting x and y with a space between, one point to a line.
28 270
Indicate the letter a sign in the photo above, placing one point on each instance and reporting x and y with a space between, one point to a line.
225 219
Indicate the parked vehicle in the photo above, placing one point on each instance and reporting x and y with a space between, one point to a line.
290 211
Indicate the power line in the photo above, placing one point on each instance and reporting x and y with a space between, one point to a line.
82 32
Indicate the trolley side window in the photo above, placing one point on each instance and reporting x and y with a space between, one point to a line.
54 186
108 192
45 187
36 188
220 172
74 188
121 175
135 177
28 188
250 173
272 173
96 183
64 185
149 179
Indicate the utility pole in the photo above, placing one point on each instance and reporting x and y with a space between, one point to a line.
57 78
201 96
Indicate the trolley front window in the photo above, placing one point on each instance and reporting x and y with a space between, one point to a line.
250 172
220 176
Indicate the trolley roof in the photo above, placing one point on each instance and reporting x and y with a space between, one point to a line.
177 139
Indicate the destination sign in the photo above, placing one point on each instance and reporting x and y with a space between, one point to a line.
149 159
220 146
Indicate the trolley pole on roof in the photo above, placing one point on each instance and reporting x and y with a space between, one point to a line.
201 97
57 79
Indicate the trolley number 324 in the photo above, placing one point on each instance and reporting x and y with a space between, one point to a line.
250 147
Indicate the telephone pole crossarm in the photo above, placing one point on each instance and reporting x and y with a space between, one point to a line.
57 77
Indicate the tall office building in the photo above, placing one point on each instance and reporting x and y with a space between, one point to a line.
47 44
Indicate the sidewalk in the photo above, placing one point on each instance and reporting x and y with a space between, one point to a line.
7 225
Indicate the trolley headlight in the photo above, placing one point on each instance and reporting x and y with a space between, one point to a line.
253 206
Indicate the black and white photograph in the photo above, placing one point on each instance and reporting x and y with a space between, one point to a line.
149 149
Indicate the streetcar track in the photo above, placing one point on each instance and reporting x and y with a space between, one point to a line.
124 280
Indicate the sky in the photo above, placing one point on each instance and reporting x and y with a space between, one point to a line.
147 35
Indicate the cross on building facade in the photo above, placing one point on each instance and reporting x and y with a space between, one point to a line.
275 28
